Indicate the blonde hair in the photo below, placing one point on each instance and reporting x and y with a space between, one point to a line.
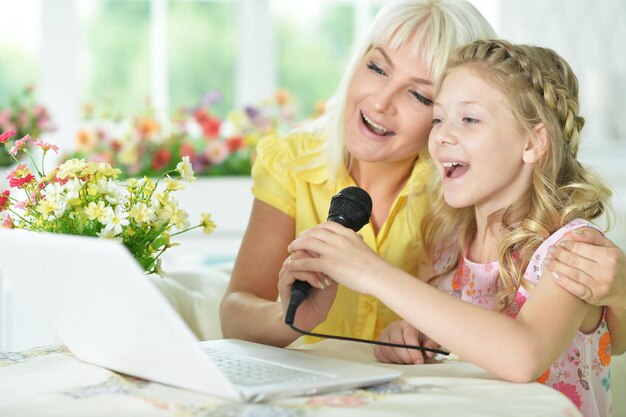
539 87
434 27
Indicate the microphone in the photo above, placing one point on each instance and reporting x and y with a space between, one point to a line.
351 208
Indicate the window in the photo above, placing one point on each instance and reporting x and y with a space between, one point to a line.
113 52
201 52
314 43
18 47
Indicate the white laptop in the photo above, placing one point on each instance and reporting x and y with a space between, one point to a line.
107 312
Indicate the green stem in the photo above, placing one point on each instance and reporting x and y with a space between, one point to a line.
41 175
186 230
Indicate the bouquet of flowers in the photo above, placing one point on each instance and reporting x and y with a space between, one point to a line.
143 146
25 117
86 198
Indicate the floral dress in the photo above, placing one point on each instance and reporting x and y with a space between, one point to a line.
582 371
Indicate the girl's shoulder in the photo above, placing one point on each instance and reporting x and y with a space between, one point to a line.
535 266
565 229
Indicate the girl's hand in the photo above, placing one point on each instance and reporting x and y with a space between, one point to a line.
401 332
315 307
591 267
340 254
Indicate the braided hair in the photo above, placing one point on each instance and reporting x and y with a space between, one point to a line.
539 87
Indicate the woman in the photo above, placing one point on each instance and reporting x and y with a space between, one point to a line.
374 135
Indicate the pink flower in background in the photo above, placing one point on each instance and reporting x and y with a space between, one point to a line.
25 116
19 145
8 222
216 152
4 138
46 146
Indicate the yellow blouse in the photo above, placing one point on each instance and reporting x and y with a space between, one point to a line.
283 178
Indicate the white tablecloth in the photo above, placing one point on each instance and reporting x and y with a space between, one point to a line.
50 381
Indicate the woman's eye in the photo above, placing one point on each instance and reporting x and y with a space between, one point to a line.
425 101
470 120
435 121
378 70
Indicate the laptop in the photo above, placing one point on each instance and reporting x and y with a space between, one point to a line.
105 310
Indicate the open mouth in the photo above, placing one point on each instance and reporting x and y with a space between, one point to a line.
454 169
376 128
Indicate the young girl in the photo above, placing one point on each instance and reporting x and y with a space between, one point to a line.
504 141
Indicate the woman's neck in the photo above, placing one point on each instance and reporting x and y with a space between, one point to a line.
383 182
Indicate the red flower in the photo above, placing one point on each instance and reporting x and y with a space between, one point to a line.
235 143
4 200
20 182
4 138
210 125
19 176
160 159
569 391
186 149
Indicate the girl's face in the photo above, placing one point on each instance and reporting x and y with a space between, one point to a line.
476 145
389 106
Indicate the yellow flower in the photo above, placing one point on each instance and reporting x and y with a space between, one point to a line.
208 226
95 211
47 207
185 170
101 169
159 270
161 199
71 167
141 213
179 219
173 184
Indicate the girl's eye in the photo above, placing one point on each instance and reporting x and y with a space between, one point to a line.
435 121
425 101
373 67
470 120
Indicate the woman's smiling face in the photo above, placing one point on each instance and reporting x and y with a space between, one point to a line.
388 109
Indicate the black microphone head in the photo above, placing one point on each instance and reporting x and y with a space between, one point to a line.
351 207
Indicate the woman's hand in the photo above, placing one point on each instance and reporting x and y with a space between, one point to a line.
401 332
591 267
315 307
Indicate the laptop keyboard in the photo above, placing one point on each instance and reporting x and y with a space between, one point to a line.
245 371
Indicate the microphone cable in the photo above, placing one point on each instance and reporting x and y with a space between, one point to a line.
289 319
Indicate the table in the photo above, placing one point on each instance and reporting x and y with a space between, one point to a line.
50 381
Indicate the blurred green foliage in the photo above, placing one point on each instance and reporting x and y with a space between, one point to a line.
114 54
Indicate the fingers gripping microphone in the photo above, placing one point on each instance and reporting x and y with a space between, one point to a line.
351 208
